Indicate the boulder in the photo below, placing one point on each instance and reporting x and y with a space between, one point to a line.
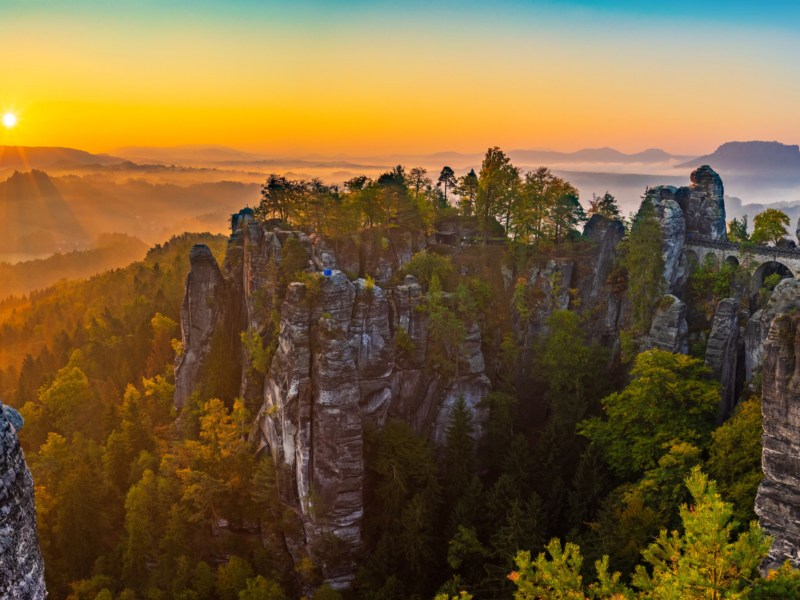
668 330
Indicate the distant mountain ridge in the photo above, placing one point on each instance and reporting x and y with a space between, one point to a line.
752 156
44 157
598 155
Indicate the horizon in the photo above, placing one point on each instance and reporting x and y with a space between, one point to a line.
363 79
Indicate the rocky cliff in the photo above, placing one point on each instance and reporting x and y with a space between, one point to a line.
778 500
21 567
349 355
332 353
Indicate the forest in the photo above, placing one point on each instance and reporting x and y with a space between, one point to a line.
601 470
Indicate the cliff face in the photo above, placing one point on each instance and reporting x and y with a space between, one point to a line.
338 367
21 566
341 354
204 303
778 499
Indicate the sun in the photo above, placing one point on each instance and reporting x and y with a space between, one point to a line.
9 120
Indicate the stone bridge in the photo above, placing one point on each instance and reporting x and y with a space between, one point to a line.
761 261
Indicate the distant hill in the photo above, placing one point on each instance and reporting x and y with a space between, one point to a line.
30 157
752 157
112 251
35 218
594 155
189 154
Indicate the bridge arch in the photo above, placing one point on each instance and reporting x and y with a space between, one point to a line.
732 261
767 269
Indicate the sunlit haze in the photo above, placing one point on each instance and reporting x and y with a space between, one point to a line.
371 77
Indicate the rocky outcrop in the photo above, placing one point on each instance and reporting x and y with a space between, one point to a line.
350 354
778 500
668 330
598 299
721 353
604 234
785 299
673 232
204 303
703 204
21 566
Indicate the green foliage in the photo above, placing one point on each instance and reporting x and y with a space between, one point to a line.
702 562
780 584
710 283
259 588
643 263
547 210
404 343
234 577
638 429
426 265
259 353
220 376
467 190
447 180
737 230
402 519
767 287
498 184
735 458
558 577
605 205
770 227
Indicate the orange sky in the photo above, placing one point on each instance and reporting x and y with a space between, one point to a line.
364 78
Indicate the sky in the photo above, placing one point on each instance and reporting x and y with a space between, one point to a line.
357 78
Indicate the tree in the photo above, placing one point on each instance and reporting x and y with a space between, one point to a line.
259 588
447 180
467 191
702 562
644 264
548 207
497 189
770 227
558 577
278 195
565 214
638 429
417 180
232 578
605 205
735 458
737 230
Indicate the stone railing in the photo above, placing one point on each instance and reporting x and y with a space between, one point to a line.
695 239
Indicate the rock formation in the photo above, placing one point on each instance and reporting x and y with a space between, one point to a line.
703 204
203 304
349 355
778 499
21 566
673 231
668 330
785 299
722 352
